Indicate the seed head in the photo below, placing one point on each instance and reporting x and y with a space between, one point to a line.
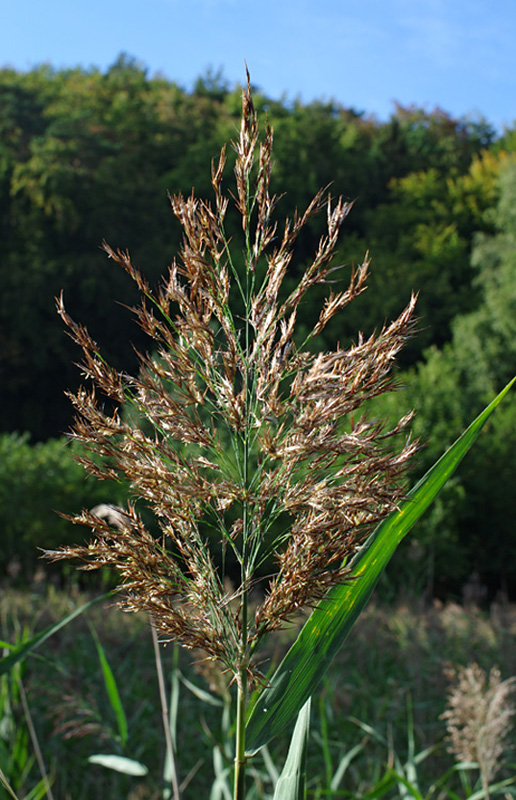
241 439
479 717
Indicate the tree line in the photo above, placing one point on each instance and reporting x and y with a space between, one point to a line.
87 155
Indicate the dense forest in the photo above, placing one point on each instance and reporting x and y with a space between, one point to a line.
87 155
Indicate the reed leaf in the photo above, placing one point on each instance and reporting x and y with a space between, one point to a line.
111 689
327 628
291 782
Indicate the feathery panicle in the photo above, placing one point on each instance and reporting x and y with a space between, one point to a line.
479 718
234 428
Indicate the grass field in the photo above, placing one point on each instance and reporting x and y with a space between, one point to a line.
384 698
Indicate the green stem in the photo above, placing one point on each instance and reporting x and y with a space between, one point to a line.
239 785
240 760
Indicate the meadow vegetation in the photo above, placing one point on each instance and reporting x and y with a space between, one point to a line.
391 679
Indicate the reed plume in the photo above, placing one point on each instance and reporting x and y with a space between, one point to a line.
235 426
479 718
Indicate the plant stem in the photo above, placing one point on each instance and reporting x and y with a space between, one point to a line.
164 712
240 760
4 781
239 785
34 739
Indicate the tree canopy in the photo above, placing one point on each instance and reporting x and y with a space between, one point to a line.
87 155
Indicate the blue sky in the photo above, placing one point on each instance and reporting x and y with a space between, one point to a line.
456 54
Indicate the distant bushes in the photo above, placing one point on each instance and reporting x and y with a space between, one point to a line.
37 481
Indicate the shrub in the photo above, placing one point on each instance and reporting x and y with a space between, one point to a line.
36 481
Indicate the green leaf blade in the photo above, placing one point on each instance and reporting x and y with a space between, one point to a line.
111 689
291 783
327 628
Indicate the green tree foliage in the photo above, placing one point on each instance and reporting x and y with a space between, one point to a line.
476 535
423 238
86 155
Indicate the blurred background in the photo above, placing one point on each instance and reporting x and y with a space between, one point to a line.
407 109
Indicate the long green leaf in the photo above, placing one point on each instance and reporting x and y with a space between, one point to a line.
291 782
326 630
111 689
23 650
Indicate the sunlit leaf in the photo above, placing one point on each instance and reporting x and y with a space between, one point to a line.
120 764
291 782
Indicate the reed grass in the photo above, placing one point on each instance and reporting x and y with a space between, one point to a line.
235 424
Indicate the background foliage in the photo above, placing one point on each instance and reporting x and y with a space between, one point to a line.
86 155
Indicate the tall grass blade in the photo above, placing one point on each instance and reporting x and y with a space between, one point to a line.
494 788
5 784
270 766
291 783
220 789
343 766
34 739
111 689
201 694
23 650
38 792
326 630
380 789
406 788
